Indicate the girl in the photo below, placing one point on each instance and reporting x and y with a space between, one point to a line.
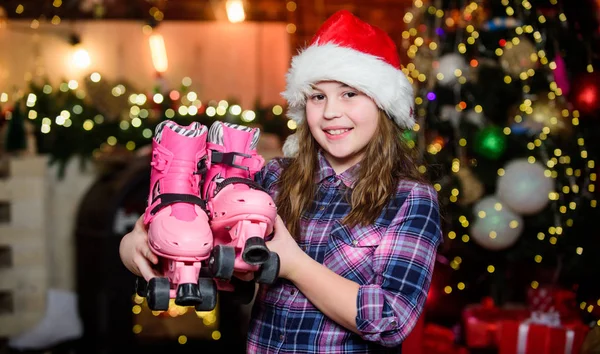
358 228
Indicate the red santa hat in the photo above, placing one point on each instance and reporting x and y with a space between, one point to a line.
353 52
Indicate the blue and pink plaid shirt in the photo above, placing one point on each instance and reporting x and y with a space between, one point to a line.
392 260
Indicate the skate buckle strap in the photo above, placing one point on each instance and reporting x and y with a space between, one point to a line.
202 166
246 163
167 199
235 180
159 161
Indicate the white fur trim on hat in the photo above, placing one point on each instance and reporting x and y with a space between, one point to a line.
385 84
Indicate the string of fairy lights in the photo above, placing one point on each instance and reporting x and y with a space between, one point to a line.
209 318
189 105
580 179
291 7
561 204
421 101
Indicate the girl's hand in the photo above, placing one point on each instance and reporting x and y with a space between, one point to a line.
290 254
135 252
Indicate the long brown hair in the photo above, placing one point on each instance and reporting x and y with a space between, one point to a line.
387 160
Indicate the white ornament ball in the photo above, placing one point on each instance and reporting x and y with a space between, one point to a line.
496 227
448 66
524 186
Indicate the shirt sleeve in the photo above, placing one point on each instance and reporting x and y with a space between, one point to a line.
389 308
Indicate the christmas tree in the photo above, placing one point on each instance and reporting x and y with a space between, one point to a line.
507 107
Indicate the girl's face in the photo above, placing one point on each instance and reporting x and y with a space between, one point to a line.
343 121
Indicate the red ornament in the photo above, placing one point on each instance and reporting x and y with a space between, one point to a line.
585 93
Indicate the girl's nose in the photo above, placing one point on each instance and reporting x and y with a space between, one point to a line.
332 109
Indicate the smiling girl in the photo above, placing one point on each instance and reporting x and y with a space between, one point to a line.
359 227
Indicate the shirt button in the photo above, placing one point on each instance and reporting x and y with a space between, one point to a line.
394 324
292 292
281 337
354 242
322 208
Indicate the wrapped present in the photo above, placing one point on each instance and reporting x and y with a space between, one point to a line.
414 341
565 304
481 323
542 333
541 299
550 298
440 340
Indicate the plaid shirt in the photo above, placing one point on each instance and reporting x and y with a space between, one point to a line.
392 260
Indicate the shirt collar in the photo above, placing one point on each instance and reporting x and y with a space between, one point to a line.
325 171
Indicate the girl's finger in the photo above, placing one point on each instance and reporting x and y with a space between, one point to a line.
139 224
149 255
146 269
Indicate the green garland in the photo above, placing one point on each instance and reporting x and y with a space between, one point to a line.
70 122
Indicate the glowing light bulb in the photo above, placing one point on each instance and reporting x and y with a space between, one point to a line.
159 53
81 58
235 11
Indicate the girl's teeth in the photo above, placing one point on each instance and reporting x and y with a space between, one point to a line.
337 131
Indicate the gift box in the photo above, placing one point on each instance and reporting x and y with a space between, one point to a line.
541 299
414 341
551 298
481 323
440 340
431 339
533 336
566 305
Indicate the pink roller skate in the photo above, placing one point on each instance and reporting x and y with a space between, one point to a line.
242 214
178 226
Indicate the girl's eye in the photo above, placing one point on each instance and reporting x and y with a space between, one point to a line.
350 94
317 97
